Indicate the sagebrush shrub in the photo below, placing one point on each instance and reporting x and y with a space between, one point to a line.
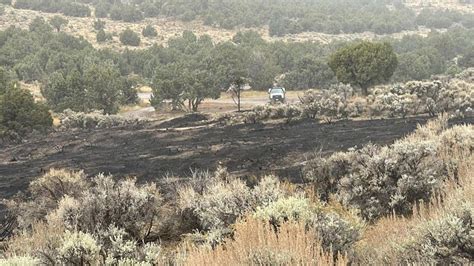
218 200
45 193
219 204
78 248
87 221
121 203
447 240
70 120
378 180
286 209
335 232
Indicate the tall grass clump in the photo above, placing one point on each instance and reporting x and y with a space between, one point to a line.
256 242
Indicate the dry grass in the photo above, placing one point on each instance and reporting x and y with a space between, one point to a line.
256 243
44 239
440 4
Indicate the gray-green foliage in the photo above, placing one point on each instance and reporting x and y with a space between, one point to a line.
107 202
129 37
102 36
94 221
221 199
418 97
70 120
445 240
57 22
149 31
377 180
335 231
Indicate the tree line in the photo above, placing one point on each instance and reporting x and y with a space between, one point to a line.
74 75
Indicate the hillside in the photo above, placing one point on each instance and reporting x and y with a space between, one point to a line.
170 27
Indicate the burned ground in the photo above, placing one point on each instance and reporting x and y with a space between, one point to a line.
154 151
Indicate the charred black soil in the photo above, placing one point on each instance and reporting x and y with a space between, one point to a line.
157 150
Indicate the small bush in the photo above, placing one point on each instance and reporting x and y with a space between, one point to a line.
78 248
70 120
123 204
102 36
129 37
45 194
149 31
286 209
447 240
334 232
217 201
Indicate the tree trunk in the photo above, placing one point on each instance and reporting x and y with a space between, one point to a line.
238 98
365 90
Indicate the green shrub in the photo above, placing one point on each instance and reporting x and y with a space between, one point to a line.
335 232
286 209
20 115
129 37
102 36
99 25
149 31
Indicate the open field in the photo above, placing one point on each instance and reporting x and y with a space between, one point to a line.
178 147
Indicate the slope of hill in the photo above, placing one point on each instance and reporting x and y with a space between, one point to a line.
168 28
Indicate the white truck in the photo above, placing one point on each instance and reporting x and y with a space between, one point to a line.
277 94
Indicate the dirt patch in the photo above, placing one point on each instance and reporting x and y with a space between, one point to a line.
152 152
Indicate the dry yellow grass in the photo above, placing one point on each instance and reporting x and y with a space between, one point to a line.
256 243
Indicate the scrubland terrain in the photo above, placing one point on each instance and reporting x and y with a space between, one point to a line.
121 142
168 28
